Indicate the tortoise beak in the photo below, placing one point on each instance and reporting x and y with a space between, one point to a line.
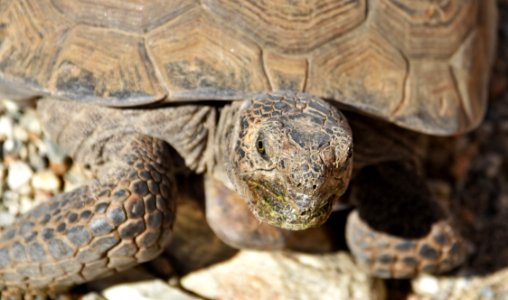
273 204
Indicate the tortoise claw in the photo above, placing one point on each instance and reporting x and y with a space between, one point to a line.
387 256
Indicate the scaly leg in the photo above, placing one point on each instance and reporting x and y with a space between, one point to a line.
398 230
121 219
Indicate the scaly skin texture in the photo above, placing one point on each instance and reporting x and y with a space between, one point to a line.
290 156
111 224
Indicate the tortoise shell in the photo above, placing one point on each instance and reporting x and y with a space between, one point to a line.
423 65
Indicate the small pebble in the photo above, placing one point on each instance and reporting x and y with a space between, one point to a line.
25 204
426 285
9 146
46 180
20 134
92 296
6 218
10 106
5 127
19 174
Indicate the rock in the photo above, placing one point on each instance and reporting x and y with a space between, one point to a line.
6 218
19 174
11 146
282 275
149 290
46 180
426 284
13 150
92 296
20 134
135 283
10 106
25 204
5 128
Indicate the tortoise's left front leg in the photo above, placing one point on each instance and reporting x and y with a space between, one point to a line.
398 229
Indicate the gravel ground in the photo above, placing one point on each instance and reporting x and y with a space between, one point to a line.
32 169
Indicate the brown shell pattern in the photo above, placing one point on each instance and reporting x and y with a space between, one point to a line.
423 65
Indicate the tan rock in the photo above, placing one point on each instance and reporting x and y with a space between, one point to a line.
46 181
146 290
283 275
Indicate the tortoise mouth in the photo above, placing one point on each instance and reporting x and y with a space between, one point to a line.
272 204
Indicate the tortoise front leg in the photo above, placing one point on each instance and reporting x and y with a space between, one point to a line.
119 220
398 230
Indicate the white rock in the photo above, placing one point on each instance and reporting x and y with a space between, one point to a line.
5 127
10 106
277 275
46 180
9 145
146 290
26 204
16 148
92 296
6 218
19 174
426 284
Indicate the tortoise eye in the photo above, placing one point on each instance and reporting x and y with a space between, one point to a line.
260 146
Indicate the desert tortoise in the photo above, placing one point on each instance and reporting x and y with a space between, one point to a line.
234 89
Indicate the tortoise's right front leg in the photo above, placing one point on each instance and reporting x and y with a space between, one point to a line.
121 219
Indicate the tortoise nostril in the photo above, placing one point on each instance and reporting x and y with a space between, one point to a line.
314 187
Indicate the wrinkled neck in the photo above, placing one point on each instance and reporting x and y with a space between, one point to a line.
228 116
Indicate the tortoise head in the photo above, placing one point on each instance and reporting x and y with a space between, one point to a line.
290 156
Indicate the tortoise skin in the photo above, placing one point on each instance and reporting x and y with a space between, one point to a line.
423 65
